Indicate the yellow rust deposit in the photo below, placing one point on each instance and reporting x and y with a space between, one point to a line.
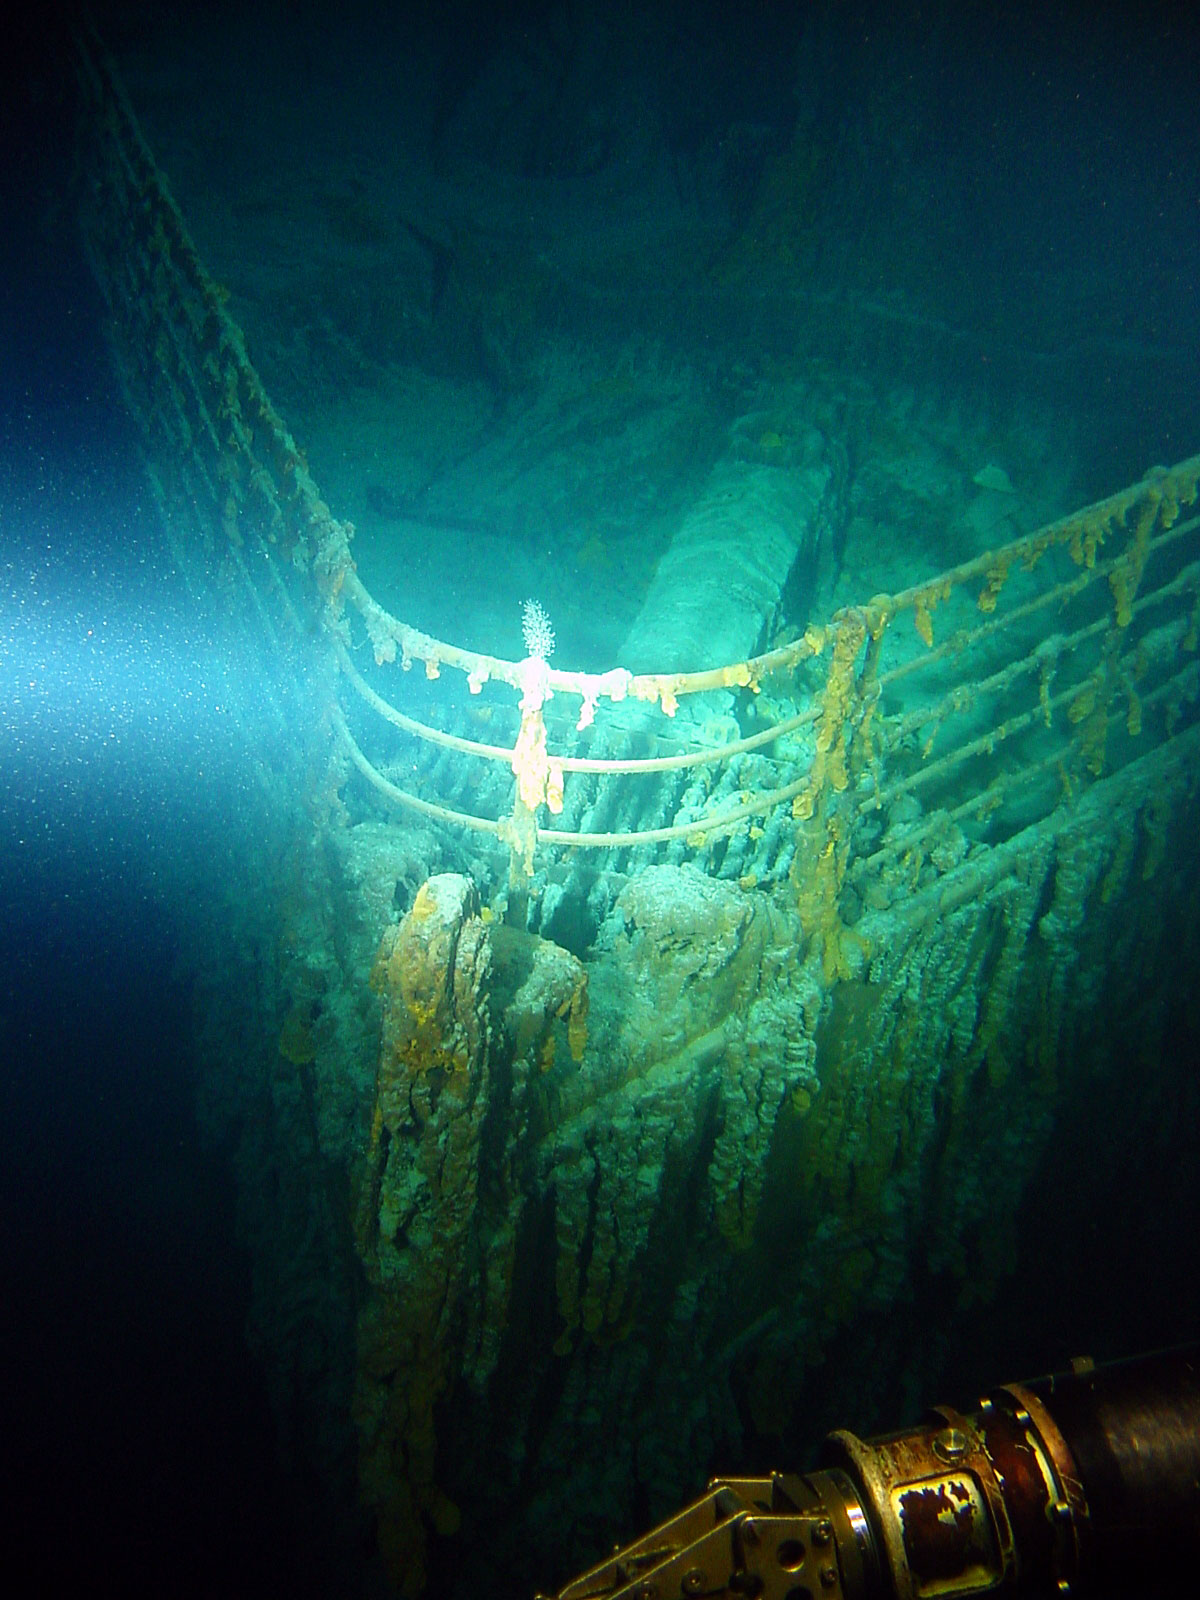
539 779
924 601
1126 573
997 576
417 1182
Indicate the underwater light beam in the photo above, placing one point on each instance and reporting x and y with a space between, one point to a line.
121 716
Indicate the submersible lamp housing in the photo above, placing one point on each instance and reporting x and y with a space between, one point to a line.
1084 1483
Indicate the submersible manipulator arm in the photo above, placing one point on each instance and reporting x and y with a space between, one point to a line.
1086 1483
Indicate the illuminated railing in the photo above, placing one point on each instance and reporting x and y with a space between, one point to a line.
1028 671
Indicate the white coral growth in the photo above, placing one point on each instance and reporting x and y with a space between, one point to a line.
539 635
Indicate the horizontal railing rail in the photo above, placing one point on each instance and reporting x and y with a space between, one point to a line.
1058 655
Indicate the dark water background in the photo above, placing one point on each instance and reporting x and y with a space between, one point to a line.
138 1446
